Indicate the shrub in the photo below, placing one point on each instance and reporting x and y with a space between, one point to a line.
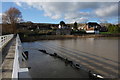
113 28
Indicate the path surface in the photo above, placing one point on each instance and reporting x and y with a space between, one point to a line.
7 65
6 49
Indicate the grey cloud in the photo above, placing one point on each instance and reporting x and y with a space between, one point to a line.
72 10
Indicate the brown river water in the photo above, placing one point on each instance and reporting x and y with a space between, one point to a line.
100 55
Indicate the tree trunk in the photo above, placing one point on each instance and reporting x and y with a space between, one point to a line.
14 28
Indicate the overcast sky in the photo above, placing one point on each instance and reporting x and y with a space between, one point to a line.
54 12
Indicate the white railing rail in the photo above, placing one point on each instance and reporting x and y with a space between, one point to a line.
16 65
17 59
5 39
16 62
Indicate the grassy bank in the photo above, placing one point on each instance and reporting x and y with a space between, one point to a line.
45 37
26 38
109 33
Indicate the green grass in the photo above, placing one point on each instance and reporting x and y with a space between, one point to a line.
108 33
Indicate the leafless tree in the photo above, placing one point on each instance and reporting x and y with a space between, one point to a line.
12 16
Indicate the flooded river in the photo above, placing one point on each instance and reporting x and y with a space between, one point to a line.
99 55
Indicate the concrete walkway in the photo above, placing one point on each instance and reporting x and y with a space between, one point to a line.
5 49
7 65
9 55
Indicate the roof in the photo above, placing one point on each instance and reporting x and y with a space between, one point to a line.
92 23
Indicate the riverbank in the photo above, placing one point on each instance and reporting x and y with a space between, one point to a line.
62 37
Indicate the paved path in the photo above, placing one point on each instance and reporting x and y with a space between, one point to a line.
5 49
3 52
7 65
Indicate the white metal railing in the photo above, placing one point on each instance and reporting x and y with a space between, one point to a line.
16 62
17 59
5 39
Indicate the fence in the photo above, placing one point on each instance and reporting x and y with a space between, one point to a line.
18 59
5 39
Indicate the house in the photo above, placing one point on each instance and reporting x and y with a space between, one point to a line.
92 27
81 26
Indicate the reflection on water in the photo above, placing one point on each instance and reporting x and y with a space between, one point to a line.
105 47
45 66
97 54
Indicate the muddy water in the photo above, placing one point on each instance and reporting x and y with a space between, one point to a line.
97 54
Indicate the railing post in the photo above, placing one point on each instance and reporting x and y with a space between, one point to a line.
17 59
5 39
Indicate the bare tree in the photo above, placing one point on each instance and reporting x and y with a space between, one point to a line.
12 16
